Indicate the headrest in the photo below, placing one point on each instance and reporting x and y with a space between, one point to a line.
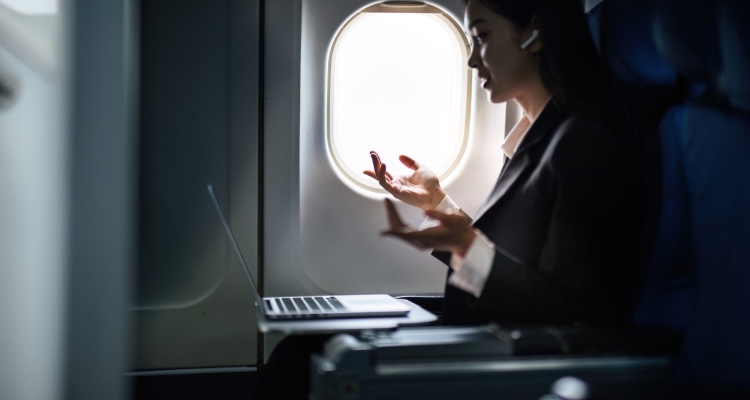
685 31
622 31
628 46
734 35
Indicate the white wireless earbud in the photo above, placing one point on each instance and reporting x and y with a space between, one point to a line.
534 36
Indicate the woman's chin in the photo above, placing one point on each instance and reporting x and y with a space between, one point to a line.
495 98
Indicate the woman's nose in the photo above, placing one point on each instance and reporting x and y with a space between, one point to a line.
473 61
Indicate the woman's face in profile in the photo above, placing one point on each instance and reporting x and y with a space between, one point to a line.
504 69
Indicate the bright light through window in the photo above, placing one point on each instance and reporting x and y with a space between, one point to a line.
31 7
398 84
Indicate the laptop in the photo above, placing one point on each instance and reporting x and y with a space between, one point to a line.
307 307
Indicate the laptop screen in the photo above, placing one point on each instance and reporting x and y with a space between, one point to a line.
233 243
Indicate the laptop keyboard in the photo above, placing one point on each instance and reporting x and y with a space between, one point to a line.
304 305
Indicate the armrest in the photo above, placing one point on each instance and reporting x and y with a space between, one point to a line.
489 362
430 302
592 340
547 340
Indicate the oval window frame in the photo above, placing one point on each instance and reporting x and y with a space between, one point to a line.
408 8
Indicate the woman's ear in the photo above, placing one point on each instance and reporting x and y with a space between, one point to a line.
534 41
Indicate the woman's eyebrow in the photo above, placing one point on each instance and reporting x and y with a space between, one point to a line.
476 21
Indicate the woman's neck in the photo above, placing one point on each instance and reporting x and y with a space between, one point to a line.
533 100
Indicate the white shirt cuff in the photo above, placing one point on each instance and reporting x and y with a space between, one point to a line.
470 273
446 206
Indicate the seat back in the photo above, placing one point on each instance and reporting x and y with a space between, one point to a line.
647 87
683 35
700 268
683 70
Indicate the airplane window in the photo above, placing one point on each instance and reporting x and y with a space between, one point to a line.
398 84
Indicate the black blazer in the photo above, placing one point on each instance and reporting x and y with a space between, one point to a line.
562 226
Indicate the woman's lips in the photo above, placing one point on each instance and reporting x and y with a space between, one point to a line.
485 82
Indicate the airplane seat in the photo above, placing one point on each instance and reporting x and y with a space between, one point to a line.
646 88
701 263
646 84
666 277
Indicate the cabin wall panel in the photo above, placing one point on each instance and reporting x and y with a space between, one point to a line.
33 231
281 137
198 126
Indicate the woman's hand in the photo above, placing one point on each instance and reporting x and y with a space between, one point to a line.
454 233
420 189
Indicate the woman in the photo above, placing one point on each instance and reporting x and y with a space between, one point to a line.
537 251
554 240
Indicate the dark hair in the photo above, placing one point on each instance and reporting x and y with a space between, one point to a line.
570 64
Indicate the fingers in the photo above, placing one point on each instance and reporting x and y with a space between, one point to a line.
376 165
448 236
409 162
453 221
375 162
383 179
393 219
398 228
384 182
436 214
406 237
373 175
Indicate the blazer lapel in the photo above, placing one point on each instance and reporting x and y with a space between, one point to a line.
515 166
546 122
